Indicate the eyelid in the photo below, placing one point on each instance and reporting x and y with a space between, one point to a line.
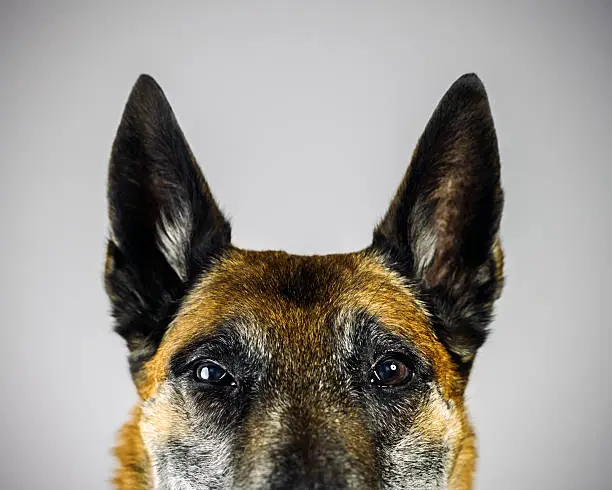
208 350
392 354
203 360
392 346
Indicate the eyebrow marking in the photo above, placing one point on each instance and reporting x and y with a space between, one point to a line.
237 337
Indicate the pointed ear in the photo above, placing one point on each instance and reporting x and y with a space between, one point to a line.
165 226
441 230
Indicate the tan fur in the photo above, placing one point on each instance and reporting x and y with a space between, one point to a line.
465 461
134 471
240 285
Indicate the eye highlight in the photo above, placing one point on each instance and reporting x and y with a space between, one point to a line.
211 373
391 371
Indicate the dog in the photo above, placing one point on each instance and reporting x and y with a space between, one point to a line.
266 370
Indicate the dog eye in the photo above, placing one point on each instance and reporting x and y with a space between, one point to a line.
391 371
210 372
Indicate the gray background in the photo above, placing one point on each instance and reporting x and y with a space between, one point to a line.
303 116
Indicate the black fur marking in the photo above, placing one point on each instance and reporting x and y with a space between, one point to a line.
442 224
153 176
303 284
372 340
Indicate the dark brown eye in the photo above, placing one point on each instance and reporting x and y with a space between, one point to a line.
210 372
391 371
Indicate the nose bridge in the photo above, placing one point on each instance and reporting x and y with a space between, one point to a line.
309 442
311 453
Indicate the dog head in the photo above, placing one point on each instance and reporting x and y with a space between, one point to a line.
267 370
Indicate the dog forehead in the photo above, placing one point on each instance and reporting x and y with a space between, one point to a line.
297 298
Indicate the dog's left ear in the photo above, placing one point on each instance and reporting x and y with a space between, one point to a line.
165 226
441 230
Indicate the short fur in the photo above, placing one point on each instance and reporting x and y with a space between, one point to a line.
301 334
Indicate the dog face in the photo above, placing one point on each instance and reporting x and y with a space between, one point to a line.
266 370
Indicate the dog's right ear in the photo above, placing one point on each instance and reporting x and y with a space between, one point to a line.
441 231
165 227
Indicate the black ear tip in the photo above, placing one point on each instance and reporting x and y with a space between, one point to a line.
145 81
469 78
146 99
146 86
469 84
